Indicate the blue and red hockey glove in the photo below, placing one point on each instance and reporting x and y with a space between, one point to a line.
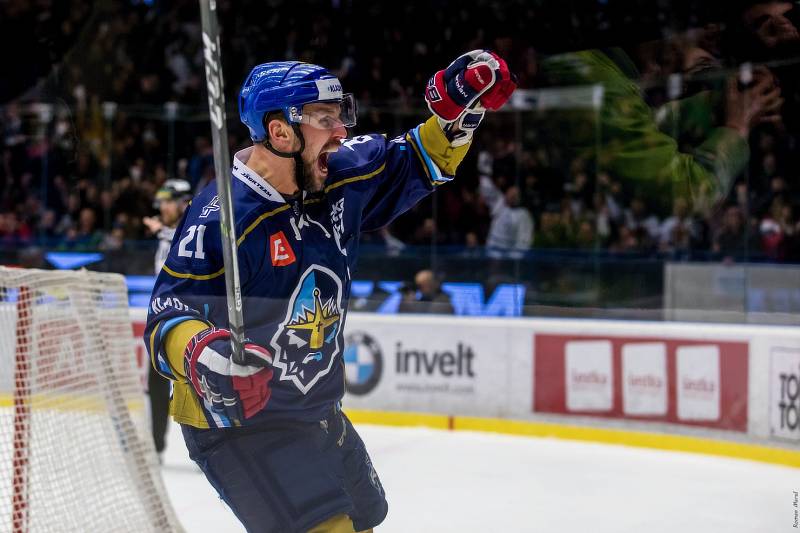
236 391
460 94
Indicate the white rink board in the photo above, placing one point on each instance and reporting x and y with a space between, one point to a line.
433 364
498 382
504 368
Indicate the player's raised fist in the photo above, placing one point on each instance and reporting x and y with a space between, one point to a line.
236 391
477 78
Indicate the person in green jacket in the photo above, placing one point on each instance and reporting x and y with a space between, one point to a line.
627 141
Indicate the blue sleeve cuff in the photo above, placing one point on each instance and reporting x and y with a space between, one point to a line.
160 333
434 171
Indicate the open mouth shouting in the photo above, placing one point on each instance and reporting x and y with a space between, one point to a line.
322 159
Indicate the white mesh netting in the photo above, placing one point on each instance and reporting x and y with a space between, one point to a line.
75 449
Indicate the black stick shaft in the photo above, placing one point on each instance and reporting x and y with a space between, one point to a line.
219 135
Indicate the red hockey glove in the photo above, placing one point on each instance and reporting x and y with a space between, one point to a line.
459 94
236 391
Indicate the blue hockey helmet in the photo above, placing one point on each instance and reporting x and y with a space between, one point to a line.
287 86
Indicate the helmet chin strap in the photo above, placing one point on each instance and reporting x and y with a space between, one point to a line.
299 168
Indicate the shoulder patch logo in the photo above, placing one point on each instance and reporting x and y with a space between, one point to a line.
211 207
280 251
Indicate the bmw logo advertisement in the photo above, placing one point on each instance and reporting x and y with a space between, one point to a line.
363 363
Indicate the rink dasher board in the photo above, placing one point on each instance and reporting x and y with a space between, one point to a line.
485 367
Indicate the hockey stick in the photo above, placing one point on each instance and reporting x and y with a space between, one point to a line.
219 135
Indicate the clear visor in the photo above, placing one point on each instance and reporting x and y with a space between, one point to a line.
327 115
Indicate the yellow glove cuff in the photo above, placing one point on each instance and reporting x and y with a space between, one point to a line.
434 142
176 342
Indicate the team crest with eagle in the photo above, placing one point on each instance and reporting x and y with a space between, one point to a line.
307 341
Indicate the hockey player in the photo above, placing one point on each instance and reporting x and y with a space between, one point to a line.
171 200
271 436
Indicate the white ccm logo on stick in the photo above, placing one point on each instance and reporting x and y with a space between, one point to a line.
213 81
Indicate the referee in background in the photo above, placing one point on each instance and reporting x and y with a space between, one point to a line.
171 201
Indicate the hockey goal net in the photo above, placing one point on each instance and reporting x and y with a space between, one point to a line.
75 449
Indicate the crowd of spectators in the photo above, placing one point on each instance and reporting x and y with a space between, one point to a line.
79 173
757 221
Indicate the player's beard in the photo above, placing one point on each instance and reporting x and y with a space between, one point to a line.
314 176
314 181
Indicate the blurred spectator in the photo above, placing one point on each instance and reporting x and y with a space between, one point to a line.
511 230
592 178
554 231
14 232
777 192
631 241
763 31
779 231
425 296
394 246
644 225
679 230
734 240
771 22
114 240
47 227
634 149
771 230
585 238
85 236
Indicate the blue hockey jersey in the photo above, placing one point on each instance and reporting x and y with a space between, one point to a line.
295 269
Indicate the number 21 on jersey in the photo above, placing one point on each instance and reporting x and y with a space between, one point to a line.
183 247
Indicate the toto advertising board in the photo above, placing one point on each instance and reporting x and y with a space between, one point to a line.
392 365
691 382
784 387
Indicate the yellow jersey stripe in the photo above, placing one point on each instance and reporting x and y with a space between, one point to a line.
258 221
153 334
421 159
200 277
355 178
250 228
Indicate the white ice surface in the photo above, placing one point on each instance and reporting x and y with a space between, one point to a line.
439 481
